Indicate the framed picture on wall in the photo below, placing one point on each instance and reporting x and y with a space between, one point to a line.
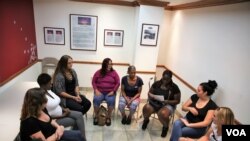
113 37
53 35
83 32
149 34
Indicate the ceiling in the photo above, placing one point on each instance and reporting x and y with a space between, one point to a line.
167 4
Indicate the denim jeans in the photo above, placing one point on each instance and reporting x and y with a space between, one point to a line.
180 130
72 135
104 96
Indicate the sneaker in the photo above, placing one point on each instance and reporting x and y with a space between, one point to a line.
145 124
128 120
95 121
124 120
164 131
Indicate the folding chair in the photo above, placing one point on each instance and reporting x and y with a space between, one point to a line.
49 65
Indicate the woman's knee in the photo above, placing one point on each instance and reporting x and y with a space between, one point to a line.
97 100
134 105
110 101
164 113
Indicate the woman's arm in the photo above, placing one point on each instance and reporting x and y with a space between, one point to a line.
77 89
206 122
59 129
138 94
39 135
177 99
187 108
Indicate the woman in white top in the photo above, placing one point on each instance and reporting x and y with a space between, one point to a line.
63 116
222 116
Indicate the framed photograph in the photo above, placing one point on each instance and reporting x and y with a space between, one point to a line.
113 37
149 34
83 32
55 36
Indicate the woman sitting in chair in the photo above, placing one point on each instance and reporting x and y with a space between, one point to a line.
105 83
130 94
163 97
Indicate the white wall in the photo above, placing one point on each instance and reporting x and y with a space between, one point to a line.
28 75
52 13
213 43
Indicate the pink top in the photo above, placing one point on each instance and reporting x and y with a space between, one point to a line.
110 82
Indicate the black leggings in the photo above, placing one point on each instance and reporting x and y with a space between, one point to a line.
83 107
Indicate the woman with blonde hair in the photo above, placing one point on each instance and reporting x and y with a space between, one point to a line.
222 116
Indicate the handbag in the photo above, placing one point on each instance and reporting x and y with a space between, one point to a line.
102 115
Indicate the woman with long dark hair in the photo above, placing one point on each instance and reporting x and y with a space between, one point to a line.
65 84
105 83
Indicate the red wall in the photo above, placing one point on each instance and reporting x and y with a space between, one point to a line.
17 37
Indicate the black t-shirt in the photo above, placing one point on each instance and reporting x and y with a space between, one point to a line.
168 94
33 125
202 112
130 90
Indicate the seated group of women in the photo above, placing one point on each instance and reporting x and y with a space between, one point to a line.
46 112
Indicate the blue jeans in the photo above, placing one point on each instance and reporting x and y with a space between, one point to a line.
104 96
72 135
180 130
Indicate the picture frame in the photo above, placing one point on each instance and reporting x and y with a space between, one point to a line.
149 34
83 32
54 36
113 37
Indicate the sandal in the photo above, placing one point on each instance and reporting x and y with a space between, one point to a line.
95 121
108 121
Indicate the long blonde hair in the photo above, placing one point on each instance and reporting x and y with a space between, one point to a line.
225 116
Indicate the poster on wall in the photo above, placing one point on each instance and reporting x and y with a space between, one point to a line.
113 37
83 32
54 36
149 34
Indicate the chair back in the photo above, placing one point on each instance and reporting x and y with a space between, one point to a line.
49 65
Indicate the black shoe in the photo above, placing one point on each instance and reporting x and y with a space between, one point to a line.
164 131
128 120
124 120
95 121
145 124
108 121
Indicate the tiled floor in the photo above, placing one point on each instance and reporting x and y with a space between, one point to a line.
120 132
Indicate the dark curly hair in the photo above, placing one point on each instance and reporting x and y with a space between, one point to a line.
209 86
